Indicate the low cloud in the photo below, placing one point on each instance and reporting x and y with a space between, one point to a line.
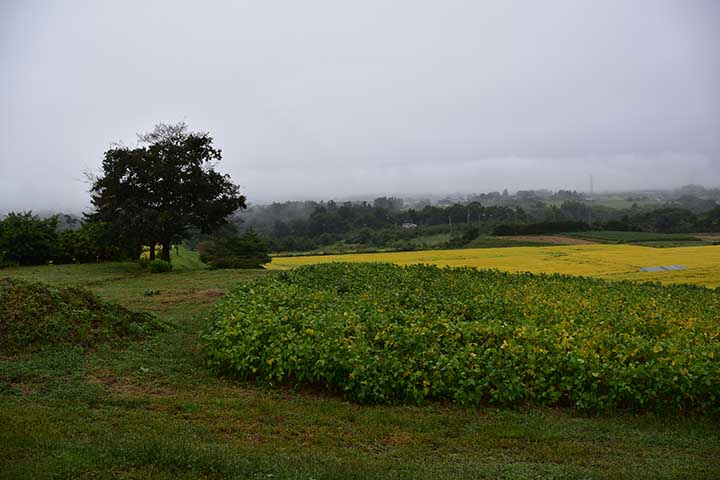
323 99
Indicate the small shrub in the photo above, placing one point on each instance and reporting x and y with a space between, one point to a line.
159 266
5 263
467 236
8 264
144 262
246 251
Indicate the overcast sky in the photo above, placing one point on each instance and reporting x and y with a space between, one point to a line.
321 99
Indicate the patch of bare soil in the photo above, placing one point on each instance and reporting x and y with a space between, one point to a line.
184 296
397 437
22 388
709 237
555 239
123 387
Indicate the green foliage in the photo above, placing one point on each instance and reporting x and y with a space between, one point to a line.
144 262
305 226
27 239
361 226
159 266
710 221
501 242
35 315
246 251
667 220
386 333
467 236
4 263
152 410
157 192
631 237
539 228
87 244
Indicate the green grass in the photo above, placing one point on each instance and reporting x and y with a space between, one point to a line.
37 316
497 242
430 241
663 239
619 203
153 410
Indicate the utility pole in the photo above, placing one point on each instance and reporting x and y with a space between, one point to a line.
591 203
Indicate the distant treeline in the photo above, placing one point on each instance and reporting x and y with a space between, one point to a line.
661 220
385 223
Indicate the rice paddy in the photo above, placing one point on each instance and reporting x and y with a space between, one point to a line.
612 262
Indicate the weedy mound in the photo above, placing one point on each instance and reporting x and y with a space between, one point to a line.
35 315
391 334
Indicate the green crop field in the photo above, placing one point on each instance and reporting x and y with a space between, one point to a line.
150 407
499 242
633 237
382 333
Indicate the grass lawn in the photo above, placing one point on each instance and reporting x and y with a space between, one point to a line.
153 410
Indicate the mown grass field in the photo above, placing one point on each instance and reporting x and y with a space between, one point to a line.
154 410
612 262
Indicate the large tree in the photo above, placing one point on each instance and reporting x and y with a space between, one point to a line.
155 193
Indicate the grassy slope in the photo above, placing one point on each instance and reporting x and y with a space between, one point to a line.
154 411
35 316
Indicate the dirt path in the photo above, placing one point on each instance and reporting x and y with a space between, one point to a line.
709 237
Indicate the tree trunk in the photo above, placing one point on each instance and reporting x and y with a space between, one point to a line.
152 252
134 251
166 251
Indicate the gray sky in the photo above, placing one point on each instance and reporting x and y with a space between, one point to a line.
319 99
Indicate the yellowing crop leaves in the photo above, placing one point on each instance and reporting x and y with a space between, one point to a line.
594 344
613 262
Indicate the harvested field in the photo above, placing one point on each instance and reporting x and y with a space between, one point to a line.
612 262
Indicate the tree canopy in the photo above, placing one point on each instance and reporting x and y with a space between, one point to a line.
160 190
27 239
